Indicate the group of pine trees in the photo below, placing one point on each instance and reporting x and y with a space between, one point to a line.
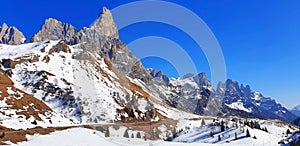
126 134
224 125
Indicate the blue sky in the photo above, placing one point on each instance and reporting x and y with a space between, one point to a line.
260 40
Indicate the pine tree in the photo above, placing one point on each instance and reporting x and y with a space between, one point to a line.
288 132
248 133
138 135
126 134
202 123
211 134
132 136
219 138
222 126
235 136
107 132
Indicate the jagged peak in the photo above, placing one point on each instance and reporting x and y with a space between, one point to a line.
53 29
11 35
105 24
49 20
52 21
202 74
202 80
4 25
105 11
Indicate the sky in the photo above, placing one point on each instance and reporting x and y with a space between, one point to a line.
260 40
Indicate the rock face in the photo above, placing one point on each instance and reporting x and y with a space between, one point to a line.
11 35
240 99
53 29
105 24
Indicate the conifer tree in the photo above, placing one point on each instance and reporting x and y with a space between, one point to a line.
248 133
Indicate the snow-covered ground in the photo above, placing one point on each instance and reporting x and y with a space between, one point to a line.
87 137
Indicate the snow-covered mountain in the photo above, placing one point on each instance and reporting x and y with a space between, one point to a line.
296 110
70 77
193 93
77 83
230 98
242 100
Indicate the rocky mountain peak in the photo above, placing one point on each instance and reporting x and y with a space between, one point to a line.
4 26
202 80
11 35
232 85
105 24
159 76
53 29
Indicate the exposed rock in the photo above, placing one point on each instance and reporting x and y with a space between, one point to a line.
53 29
102 37
105 24
11 35
201 80
159 76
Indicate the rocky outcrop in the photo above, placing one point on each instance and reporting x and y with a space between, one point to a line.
53 29
11 35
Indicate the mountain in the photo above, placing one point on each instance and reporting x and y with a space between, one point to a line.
11 35
53 29
77 83
66 76
296 110
101 41
242 100
193 93
101 37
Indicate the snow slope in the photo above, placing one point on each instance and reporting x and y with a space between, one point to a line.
194 137
235 134
19 110
77 82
